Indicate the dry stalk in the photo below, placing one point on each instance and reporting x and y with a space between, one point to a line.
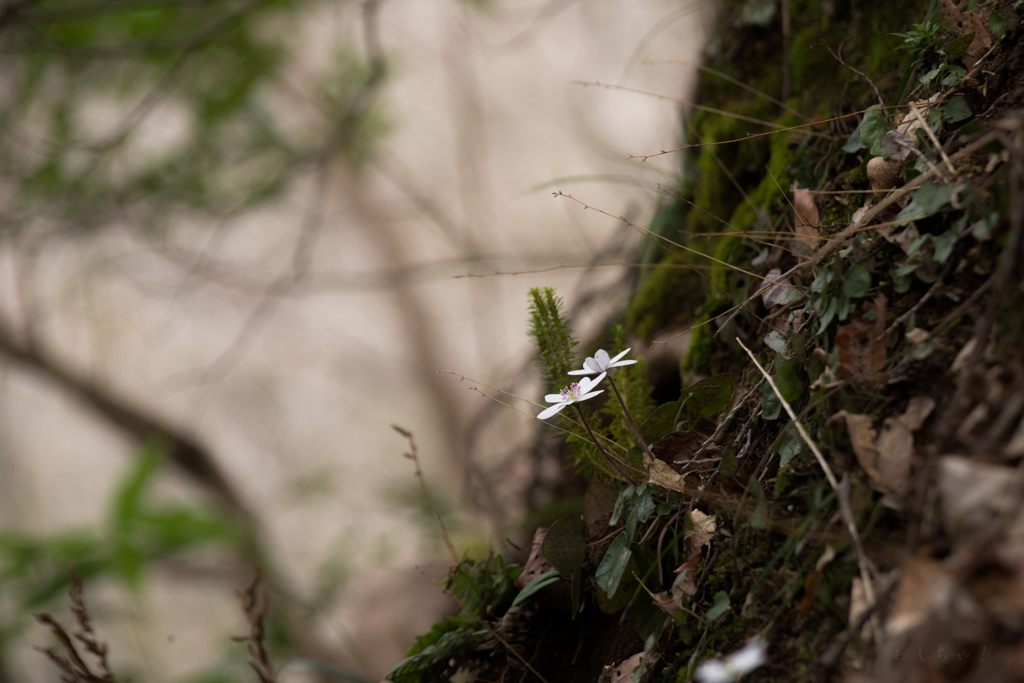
255 604
73 668
414 456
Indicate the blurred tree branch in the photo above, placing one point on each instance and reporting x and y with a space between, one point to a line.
185 451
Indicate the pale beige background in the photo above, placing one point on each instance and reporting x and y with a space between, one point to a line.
484 109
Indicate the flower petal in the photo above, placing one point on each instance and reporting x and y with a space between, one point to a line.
553 398
592 365
750 657
602 358
714 672
621 363
592 394
551 411
616 359
591 382
584 371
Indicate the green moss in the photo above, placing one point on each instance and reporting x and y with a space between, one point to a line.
697 359
667 296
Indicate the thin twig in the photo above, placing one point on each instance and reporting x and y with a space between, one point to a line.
593 440
413 455
844 503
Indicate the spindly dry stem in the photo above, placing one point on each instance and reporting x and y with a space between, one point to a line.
593 439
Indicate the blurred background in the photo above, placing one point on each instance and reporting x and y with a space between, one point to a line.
231 241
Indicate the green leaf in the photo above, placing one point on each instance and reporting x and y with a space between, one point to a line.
997 25
787 378
789 447
926 200
613 565
660 422
648 617
956 109
853 144
706 398
775 341
857 281
873 127
644 506
758 520
538 583
955 49
720 607
771 407
564 545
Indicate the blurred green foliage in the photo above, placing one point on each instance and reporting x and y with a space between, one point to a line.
35 570
138 110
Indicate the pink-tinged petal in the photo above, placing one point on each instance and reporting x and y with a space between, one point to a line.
602 358
592 394
551 411
553 398
592 365
616 359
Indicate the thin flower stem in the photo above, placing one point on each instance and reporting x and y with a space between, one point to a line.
593 439
630 418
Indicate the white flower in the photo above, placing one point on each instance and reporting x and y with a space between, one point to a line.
602 363
574 393
735 665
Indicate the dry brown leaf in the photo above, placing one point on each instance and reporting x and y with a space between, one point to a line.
975 496
679 446
862 437
666 602
861 343
918 410
953 16
535 563
686 584
925 587
806 221
623 673
702 533
895 448
664 476
982 40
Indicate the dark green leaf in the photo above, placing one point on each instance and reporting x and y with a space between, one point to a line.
613 565
997 25
540 582
789 447
955 48
925 201
873 127
857 281
648 617
564 545
956 109
853 143
787 378
660 422
708 397
770 404
720 607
